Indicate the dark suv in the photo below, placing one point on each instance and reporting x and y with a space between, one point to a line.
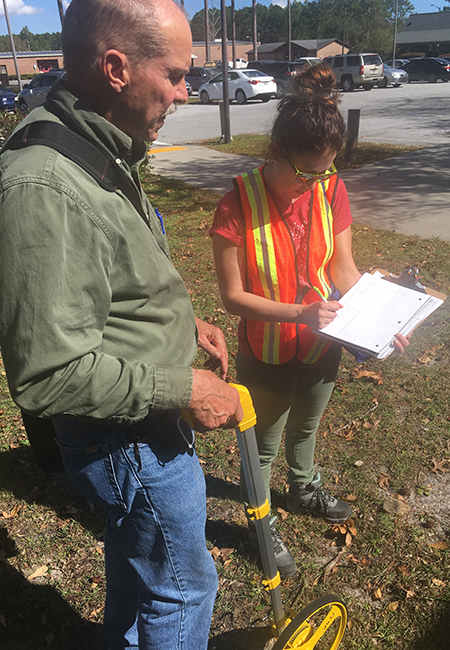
428 69
197 76
281 70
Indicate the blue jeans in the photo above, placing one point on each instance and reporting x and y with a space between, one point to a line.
161 580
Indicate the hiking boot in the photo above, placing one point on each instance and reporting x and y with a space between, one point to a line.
314 499
283 558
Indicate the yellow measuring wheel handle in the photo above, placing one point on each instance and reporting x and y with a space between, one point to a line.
258 513
273 583
249 419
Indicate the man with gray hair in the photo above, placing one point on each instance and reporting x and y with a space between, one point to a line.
96 327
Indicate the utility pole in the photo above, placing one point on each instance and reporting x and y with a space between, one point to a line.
255 33
13 47
61 11
394 46
207 48
233 34
289 30
226 95
343 29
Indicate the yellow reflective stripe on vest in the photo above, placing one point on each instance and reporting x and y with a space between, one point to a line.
316 350
328 233
265 256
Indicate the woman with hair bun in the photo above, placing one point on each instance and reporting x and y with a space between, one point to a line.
282 248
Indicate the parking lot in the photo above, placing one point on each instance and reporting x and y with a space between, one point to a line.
416 113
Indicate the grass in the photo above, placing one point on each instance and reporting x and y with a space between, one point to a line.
385 430
256 146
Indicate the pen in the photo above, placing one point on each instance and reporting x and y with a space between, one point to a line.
319 294
160 221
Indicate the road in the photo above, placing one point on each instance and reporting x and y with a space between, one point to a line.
415 113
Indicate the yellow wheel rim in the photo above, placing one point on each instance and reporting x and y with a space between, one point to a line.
320 625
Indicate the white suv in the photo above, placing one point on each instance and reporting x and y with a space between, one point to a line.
356 70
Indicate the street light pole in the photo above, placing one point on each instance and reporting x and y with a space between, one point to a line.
395 34
289 30
13 47
226 94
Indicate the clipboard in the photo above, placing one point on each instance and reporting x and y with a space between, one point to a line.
374 310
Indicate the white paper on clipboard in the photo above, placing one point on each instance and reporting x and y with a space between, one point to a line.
374 310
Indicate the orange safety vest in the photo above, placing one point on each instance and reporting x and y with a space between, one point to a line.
271 268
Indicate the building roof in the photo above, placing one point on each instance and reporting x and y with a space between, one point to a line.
426 28
270 47
316 44
27 53
312 44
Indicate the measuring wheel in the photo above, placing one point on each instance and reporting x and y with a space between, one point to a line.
320 625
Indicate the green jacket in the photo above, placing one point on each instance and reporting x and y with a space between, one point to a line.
95 321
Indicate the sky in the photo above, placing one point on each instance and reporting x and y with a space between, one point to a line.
42 15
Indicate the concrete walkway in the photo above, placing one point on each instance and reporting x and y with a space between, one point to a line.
409 193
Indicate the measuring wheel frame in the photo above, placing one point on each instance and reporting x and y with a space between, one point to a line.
300 634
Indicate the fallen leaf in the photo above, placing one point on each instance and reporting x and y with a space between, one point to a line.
383 481
359 463
14 512
348 539
438 583
370 374
440 546
439 466
226 553
215 552
95 612
2 620
403 569
410 593
50 638
349 435
350 498
393 606
283 513
351 527
376 594
39 572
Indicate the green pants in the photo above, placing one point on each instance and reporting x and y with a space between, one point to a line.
292 395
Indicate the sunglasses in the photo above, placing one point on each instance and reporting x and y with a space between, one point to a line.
302 177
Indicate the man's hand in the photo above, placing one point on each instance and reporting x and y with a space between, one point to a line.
212 341
214 403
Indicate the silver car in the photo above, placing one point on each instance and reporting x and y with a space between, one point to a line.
35 93
393 77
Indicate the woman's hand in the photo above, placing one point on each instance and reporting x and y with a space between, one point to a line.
400 343
319 314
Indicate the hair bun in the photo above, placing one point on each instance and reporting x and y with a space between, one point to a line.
317 81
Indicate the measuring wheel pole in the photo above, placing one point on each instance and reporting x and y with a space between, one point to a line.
259 509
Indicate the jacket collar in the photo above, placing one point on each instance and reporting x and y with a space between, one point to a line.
85 121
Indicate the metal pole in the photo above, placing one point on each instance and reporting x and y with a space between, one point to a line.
226 94
233 33
13 48
207 49
255 33
61 11
395 34
352 134
289 31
